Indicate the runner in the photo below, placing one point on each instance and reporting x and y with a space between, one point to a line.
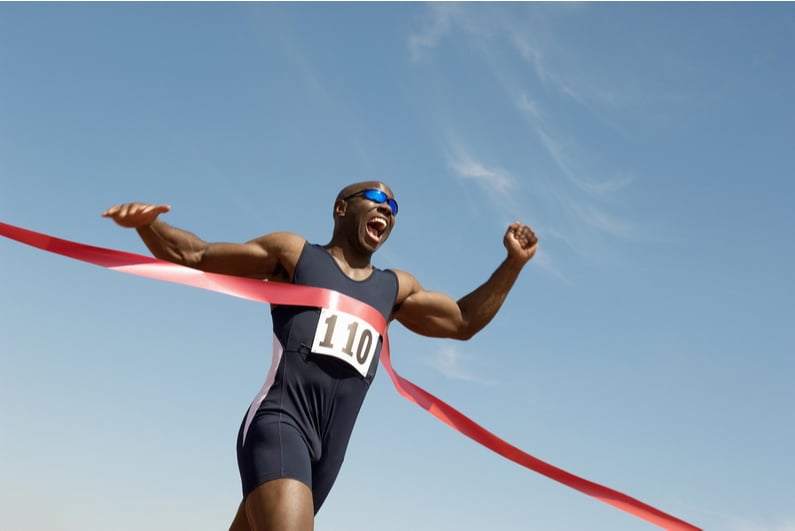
293 437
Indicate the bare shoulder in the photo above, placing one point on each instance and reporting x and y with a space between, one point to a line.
284 246
282 242
407 285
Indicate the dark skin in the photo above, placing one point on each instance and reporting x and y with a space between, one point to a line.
361 226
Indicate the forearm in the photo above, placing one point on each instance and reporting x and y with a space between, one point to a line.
172 244
435 314
479 307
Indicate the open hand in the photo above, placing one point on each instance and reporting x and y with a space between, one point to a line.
134 215
520 241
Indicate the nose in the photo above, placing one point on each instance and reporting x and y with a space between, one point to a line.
384 209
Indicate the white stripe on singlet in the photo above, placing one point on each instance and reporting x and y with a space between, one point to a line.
278 350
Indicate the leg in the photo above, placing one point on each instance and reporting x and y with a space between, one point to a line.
240 523
279 505
273 502
324 474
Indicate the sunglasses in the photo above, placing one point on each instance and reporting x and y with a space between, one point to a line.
377 196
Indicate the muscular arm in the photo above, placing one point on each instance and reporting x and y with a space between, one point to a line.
271 257
435 314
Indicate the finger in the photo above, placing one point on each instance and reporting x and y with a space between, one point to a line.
527 232
523 228
528 239
111 211
124 211
519 227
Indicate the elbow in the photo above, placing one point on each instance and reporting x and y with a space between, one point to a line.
463 327
468 327
194 255
194 259
465 332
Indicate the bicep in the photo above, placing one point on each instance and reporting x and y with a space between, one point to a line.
428 313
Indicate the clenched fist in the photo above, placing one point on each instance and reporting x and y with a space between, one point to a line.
520 241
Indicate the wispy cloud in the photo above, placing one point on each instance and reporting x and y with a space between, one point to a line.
498 184
558 153
437 25
580 196
534 55
584 209
526 104
449 362
602 221
492 179
545 261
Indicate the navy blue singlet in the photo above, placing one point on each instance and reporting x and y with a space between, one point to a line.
301 421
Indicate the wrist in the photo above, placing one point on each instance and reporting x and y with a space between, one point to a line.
514 263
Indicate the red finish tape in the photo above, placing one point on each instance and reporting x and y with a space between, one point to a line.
280 293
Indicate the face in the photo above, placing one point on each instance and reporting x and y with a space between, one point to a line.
369 222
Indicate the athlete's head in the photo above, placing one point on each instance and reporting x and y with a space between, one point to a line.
364 214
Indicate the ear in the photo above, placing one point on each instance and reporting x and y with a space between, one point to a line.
340 207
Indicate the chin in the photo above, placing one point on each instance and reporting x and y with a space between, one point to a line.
371 247
367 244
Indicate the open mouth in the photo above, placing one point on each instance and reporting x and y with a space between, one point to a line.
376 227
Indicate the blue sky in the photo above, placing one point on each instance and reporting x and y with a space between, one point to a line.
648 346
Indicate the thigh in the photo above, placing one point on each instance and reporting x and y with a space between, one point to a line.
324 474
334 446
273 450
280 505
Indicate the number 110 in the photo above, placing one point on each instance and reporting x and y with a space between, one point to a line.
363 345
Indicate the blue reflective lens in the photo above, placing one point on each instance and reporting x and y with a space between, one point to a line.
379 197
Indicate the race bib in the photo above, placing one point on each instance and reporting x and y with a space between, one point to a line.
346 337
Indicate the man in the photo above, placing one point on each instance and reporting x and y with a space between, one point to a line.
294 435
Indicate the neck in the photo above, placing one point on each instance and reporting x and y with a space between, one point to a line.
353 263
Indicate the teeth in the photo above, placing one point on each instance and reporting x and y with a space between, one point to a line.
381 222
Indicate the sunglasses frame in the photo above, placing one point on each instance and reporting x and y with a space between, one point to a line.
369 192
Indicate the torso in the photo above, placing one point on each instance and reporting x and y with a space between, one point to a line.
297 327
